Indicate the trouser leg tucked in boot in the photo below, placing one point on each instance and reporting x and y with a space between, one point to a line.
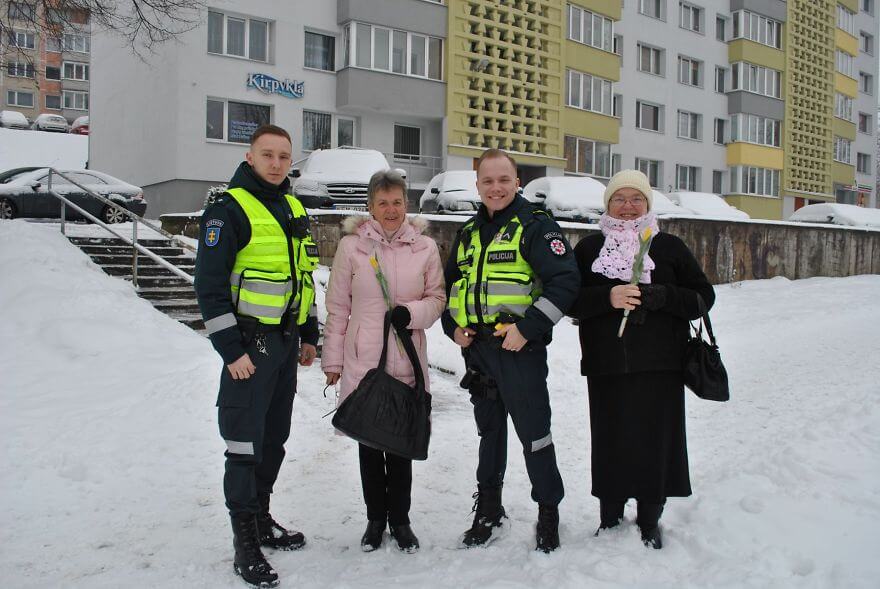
489 517
273 534
547 529
648 520
249 561
610 513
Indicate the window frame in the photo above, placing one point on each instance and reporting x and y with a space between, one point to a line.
695 68
605 94
866 83
605 43
30 9
246 41
46 101
660 116
845 64
20 69
350 33
696 14
399 155
863 157
75 65
224 124
74 94
647 164
693 123
13 39
741 177
332 64
755 27
18 93
76 36
691 177
843 105
866 43
868 119
657 57
595 161
843 150
661 9
755 129
846 20
744 72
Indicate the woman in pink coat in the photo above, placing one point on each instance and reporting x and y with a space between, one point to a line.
353 334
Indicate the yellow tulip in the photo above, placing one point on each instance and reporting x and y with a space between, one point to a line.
374 262
646 234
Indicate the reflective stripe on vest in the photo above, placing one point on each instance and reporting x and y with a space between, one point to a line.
507 283
262 280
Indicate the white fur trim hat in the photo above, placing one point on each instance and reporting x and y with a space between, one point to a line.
629 179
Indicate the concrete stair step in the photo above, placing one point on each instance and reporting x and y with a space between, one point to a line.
125 270
167 292
165 281
177 306
105 241
120 259
125 250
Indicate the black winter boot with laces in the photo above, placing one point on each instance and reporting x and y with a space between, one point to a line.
249 561
547 530
274 535
489 518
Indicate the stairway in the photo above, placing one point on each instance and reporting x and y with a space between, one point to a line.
169 293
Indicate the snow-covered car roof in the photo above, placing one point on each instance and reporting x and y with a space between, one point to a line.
663 206
567 193
15 184
838 214
367 161
706 204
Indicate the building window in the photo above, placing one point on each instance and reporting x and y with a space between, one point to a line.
748 128
77 42
720 77
238 36
653 169
651 60
720 28
757 79
617 47
690 71
22 11
686 177
863 163
843 106
76 71
316 130
585 156
235 122
589 93
718 181
866 83
21 39
689 125
54 44
615 163
320 51
649 116
344 132
867 6
53 73
864 123
866 43
76 100
846 19
18 98
846 64
407 143
757 28
653 8
752 180
720 131
690 17
590 29
617 106
406 53
20 70
842 150
53 102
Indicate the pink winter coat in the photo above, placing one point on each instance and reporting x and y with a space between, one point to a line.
356 307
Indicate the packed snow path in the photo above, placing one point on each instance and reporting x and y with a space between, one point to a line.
112 463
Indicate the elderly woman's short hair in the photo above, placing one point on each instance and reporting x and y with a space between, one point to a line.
385 180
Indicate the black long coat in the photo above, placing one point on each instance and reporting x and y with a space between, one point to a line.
639 446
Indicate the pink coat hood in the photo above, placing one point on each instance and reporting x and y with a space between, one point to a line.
356 307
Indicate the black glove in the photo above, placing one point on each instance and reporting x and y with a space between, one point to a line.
400 318
653 296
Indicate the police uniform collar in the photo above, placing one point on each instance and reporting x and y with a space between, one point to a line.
245 177
501 217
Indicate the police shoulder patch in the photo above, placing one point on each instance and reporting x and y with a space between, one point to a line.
557 246
212 232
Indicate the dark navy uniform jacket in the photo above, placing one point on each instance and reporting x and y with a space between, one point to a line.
547 252
230 232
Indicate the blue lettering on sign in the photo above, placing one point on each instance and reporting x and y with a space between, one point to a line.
269 85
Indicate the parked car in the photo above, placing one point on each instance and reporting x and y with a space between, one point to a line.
706 204
568 198
80 126
454 191
25 194
49 122
338 177
13 119
662 206
834 213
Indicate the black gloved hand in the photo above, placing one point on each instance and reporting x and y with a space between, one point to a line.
400 318
653 296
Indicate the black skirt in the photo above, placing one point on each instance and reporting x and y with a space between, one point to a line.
639 448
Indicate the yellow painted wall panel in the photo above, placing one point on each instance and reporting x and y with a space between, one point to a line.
758 207
590 125
521 158
846 85
746 50
761 156
609 8
585 58
844 129
853 5
843 173
847 42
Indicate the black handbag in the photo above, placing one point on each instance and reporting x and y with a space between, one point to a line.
704 373
385 413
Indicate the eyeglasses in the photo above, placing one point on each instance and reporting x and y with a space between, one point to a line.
636 201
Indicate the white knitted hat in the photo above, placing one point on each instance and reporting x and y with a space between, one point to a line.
629 179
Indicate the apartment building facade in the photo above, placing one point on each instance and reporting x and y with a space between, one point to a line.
46 60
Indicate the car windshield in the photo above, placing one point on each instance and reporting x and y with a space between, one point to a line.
347 160
464 180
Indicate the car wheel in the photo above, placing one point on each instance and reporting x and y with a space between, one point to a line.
7 209
112 215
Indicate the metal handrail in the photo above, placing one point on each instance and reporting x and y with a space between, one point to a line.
133 241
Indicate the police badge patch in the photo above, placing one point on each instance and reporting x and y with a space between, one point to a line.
212 232
557 246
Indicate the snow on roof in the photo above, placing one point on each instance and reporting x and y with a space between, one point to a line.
838 214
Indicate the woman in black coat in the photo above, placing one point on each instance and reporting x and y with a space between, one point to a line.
635 382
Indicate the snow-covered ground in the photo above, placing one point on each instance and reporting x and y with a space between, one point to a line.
112 463
20 148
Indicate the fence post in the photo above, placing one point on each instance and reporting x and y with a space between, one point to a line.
134 257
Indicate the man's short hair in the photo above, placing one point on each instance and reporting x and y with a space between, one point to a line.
492 154
385 180
270 130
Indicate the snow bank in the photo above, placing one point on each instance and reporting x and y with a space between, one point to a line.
838 214
706 204
20 148
112 464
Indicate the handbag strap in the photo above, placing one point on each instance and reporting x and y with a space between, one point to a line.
408 347
704 317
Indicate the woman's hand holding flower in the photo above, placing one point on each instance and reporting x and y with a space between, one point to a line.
625 296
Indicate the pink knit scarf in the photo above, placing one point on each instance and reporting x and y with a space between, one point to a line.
621 246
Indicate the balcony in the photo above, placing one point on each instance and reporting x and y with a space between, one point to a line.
361 90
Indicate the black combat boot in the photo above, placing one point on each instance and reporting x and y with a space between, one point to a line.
249 562
489 518
547 530
372 538
406 540
648 520
272 534
610 514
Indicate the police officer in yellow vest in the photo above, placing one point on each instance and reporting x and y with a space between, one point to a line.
510 277
256 294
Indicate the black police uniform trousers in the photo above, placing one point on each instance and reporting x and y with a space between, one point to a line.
521 379
254 417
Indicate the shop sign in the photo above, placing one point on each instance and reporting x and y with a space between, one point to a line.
269 85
